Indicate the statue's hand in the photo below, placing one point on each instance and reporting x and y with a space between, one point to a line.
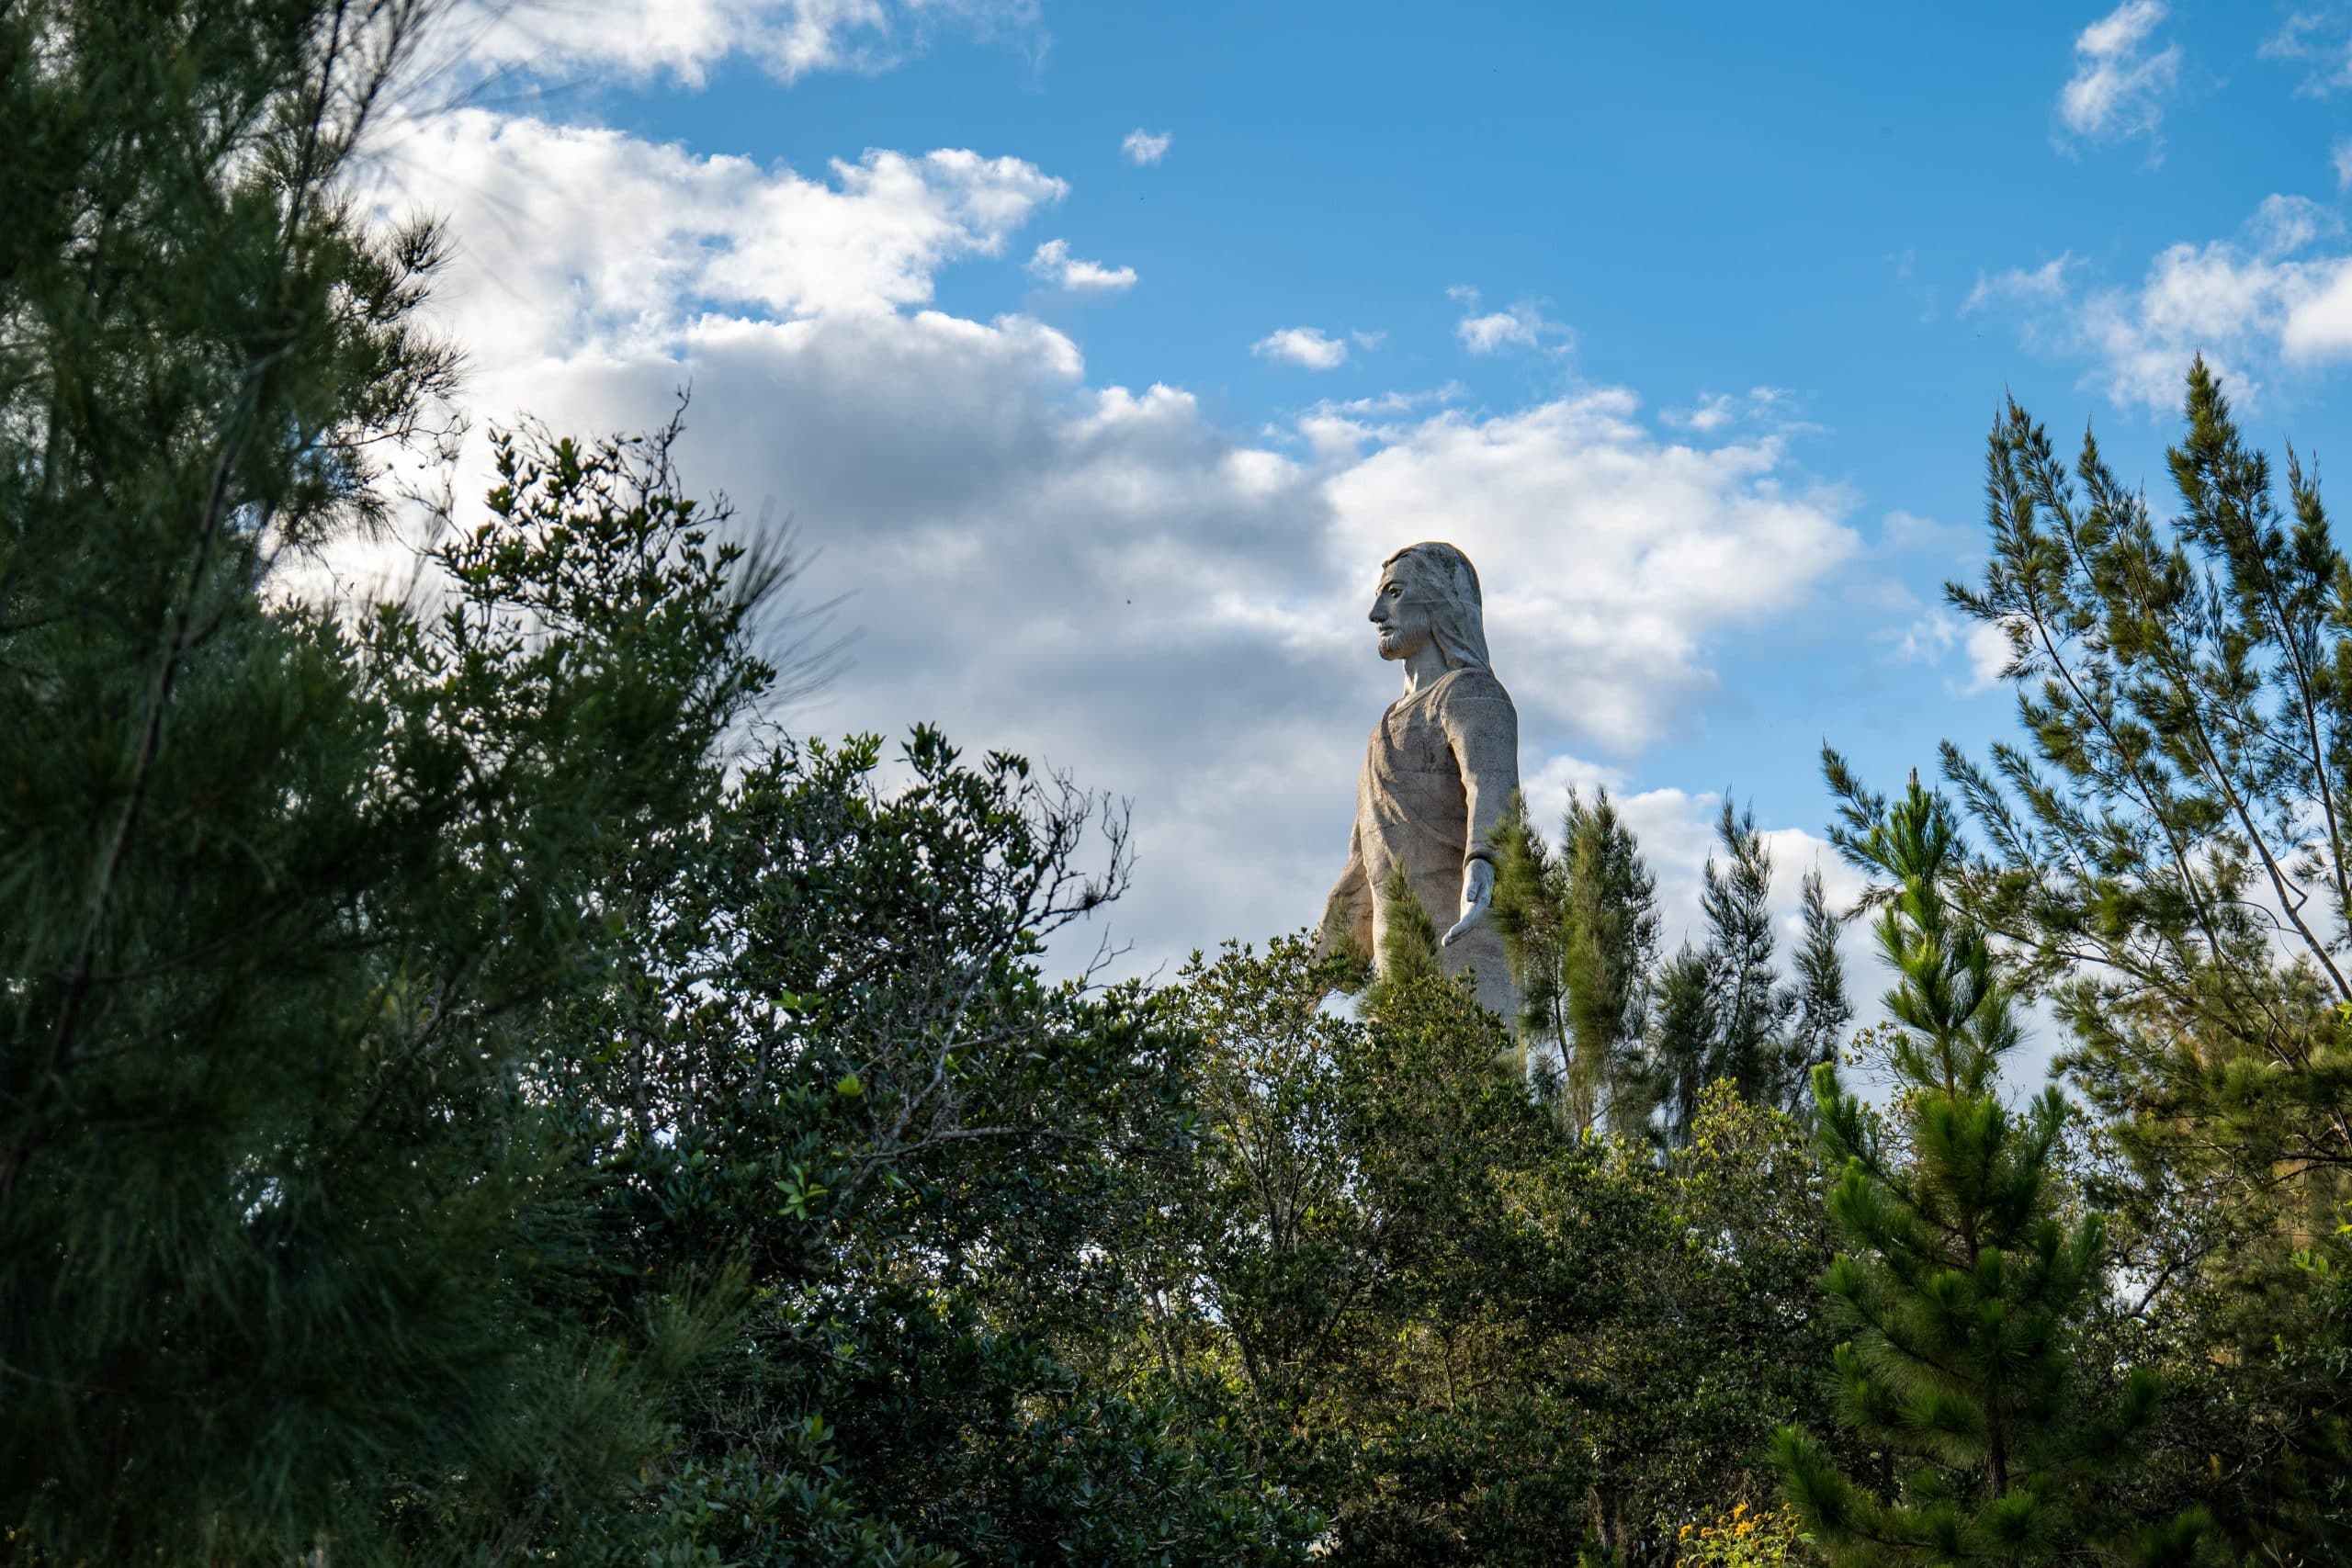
1478 892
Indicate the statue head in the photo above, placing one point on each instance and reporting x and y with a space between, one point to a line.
1428 593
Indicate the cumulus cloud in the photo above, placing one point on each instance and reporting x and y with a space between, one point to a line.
1053 262
1104 577
2118 90
1143 146
1626 553
1496 329
540 273
1304 346
682 40
2256 305
1488 332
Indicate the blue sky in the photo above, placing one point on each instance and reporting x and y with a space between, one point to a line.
1687 322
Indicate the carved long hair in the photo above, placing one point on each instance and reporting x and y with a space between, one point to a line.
1450 583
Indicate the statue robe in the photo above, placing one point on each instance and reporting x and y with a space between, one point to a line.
1438 773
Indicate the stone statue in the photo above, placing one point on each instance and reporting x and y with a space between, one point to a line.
1440 772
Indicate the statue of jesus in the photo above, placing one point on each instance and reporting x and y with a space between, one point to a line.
1440 772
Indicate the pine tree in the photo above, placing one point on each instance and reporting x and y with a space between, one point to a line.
1409 946
1962 1281
1816 1002
1529 910
1682 1040
1748 1005
1609 946
285 890
2168 852
1581 930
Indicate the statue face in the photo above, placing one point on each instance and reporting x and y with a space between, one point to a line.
1402 611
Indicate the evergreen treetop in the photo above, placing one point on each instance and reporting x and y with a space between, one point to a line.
1963 1280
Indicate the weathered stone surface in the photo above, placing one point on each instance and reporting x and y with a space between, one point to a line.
1439 771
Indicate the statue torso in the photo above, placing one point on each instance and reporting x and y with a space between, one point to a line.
1439 770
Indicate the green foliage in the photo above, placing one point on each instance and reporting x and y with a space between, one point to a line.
2167 855
1749 1008
833 1065
1409 943
1720 1011
1817 996
469 1093
1682 1037
1741 1539
1581 931
1963 1281
1374 1258
449 1111
1718 1334
289 1237
2318 1355
283 1235
1463 1336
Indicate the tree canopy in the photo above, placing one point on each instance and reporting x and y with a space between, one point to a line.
476 1087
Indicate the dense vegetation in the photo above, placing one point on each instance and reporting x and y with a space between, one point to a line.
471 1091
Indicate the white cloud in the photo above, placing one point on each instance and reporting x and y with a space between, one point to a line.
683 39
1720 411
1989 655
2341 158
2043 283
1522 326
1103 577
1625 554
1053 263
1497 328
2320 39
2284 224
1304 346
543 272
1712 412
1344 427
1143 146
1927 640
2117 91
2254 306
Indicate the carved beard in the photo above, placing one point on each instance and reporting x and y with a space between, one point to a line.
1395 640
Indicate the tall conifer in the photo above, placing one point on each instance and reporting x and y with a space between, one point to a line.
1610 943
1749 1006
1581 928
1818 1007
1681 1039
284 892
1962 1280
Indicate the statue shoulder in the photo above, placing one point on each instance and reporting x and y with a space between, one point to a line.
1469 688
